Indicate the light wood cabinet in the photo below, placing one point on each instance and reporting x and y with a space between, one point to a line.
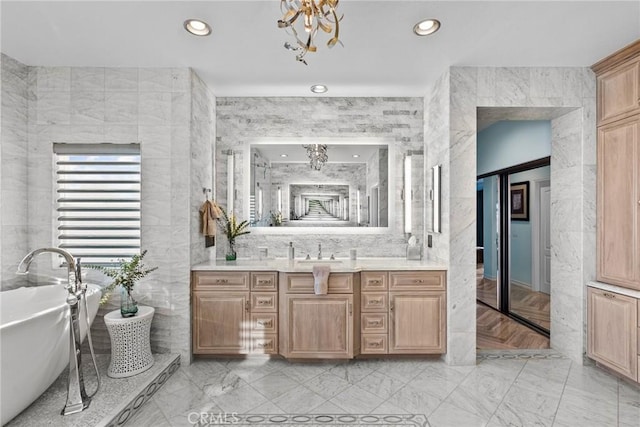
417 322
229 317
319 326
618 90
618 180
413 303
618 203
219 325
613 331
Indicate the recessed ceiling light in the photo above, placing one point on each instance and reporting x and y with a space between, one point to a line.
426 27
284 155
319 89
197 27
355 156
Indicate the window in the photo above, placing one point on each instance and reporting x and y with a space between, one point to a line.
98 200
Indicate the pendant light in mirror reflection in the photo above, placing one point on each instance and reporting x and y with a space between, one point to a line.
279 199
358 205
435 197
407 193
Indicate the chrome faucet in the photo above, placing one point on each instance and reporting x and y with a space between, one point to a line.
77 398
23 267
319 250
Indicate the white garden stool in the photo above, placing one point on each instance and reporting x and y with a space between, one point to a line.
130 345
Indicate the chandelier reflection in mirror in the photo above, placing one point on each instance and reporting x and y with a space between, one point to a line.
317 155
314 15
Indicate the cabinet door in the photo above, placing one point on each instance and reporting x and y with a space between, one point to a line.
619 203
317 326
417 322
619 92
612 336
220 322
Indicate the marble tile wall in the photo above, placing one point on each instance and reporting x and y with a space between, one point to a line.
169 112
13 174
572 190
398 121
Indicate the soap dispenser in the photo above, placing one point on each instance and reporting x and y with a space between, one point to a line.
292 251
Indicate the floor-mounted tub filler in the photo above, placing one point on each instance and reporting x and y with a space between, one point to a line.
41 329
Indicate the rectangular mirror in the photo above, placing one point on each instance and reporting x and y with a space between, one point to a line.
319 185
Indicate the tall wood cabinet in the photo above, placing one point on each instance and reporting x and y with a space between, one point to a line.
618 182
612 323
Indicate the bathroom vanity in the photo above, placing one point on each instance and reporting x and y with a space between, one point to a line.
372 307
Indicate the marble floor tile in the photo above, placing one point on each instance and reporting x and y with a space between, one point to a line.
495 392
304 371
327 385
354 372
448 415
240 400
404 369
380 385
523 407
328 408
415 401
274 384
355 400
299 400
149 415
580 407
629 404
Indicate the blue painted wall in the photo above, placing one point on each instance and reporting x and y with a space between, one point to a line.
502 145
521 230
510 143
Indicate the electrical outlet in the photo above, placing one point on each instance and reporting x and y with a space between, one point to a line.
429 241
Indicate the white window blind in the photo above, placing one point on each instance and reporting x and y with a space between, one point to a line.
98 201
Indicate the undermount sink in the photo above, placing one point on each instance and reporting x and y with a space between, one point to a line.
319 261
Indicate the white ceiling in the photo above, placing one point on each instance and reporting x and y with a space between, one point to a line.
245 55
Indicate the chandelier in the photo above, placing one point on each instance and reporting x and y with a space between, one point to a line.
317 155
314 15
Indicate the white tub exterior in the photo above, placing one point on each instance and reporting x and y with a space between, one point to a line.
34 342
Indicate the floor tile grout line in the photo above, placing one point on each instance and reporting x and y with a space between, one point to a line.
508 390
564 386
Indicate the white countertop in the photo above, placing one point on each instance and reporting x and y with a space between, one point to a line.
343 265
613 288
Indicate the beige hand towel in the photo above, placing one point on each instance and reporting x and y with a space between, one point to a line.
321 279
209 213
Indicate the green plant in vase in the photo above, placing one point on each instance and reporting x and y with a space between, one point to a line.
125 275
232 229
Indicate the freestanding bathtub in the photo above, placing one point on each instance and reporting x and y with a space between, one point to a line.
34 342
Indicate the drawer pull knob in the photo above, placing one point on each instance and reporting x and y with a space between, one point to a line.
264 323
222 281
375 322
375 301
608 295
247 305
264 345
418 281
264 282
376 343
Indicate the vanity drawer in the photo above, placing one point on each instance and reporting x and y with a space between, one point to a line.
264 302
374 323
374 344
302 283
374 301
264 281
264 344
374 281
417 280
220 281
264 322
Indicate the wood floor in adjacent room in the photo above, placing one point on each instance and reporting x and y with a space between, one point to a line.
497 331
